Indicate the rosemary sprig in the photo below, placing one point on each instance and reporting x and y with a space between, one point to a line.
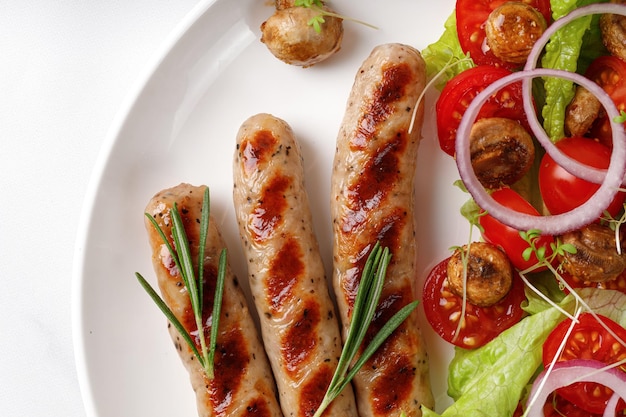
317 20
368 294
195 286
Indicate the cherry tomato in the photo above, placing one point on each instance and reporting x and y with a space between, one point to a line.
471 16
557 406
588 340
609 72
562 191
482 324
617 284
508 238
461 90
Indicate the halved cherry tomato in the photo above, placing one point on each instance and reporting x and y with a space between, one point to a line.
471 16
482 324
562 191
461 90
617 284
609 72
557 406
588 340
508 238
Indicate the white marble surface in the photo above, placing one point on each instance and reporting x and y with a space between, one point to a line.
65 70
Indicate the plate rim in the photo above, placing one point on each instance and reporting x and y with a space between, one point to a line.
81 333
120 119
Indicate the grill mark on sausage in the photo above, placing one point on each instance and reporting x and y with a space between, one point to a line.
379 176
300 338
391 88
188 319
400 373
209 272
257 150
268 214
231 356
285 272
257 408
388 234
398 368
313 392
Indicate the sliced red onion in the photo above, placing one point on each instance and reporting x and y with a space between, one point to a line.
611 406
581 216
572 166
577 370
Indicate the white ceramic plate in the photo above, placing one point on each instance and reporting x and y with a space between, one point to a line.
180 126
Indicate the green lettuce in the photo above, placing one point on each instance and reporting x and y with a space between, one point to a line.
445 56
571 48
490 380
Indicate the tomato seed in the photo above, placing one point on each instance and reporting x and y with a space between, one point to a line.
455 316
469 341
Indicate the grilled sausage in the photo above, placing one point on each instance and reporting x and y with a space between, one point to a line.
243 384
287 279
372 200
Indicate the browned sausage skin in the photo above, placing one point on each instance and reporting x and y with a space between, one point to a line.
372 200
243 384
287 278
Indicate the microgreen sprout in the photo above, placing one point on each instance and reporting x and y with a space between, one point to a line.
365 304
621 118
194 284
615 225
472 212
317 20
452 63
558 248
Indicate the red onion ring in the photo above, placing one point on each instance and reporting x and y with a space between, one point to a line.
579 370
611 406
582 215
572 166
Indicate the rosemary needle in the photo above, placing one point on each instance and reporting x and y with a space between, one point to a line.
194 285
368 295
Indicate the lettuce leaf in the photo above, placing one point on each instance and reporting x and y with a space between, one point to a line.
571 48
445 56
489 381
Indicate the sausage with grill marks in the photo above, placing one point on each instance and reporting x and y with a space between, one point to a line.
287 278
243 384
373 200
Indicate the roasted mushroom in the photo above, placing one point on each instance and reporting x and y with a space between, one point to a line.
596 258
582 111
290 38
489 274
512 29
284 4
613 28
501 151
